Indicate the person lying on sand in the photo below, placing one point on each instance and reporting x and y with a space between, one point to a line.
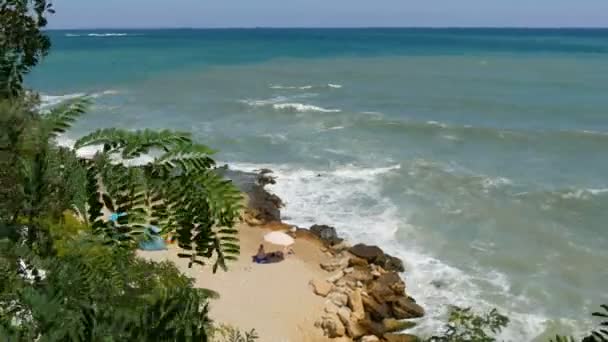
267 258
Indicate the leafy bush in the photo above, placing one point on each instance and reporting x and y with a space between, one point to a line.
466 325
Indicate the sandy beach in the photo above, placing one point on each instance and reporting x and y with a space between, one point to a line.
275 299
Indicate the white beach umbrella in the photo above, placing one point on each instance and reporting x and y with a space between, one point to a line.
279 238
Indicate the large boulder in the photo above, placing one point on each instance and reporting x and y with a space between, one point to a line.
369 253
356 261
375 255
400 338
392 263
355 302
332 326
335 264
372 328
352 326
321 287
387 288
392 325
327 234
338 298
360 274
404 308
377 310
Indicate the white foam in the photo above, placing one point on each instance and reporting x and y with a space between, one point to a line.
107 34
302 108
49 101
437 123
336 86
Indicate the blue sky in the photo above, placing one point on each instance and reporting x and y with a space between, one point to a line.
328 13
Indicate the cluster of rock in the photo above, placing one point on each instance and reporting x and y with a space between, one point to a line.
366 300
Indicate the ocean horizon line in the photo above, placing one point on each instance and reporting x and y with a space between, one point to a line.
532 28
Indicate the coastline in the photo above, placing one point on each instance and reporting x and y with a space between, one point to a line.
328 290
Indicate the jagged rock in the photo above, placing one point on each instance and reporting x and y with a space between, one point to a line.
393 264
404 308
359 284
400 338
352 326
331 308
327 234
340 247
348 270
335 277
369 253
392 325
360 274
338 298
346 282
375 255
393 282
375 273
356 261
370 338
378 310
332 326
335 264
371 327
356 304
321 287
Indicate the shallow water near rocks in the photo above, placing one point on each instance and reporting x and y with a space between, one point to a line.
477 156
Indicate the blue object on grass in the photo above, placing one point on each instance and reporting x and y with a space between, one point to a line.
152 241
114 216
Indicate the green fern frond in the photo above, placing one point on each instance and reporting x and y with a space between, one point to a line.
62 117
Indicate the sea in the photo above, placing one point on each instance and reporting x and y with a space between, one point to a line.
479 156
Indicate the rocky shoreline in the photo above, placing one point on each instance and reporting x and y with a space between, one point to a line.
366 299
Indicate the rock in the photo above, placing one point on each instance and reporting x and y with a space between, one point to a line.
369 253
332 326
335 277
393 264
327 234
344 314
356 304
359 284
378 310
331 308
400 338
370 338
392 325
375 255
404 308
335 264
321 287
338 298
360 274
352 326
371 327
340 247
375 273
356 261
346 282
348 270
393 282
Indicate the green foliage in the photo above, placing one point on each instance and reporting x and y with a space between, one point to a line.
22 41
228 333
178 191
95 292
598 335
466 325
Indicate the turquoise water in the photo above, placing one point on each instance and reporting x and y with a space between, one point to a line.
479 156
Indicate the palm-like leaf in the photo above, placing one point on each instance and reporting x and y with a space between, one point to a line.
63 116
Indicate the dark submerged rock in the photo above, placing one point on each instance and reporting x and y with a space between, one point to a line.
327 234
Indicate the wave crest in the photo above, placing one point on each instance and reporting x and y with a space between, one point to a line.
302 108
